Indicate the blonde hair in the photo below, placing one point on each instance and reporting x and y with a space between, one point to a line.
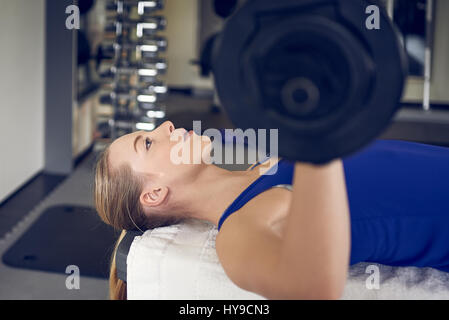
116 196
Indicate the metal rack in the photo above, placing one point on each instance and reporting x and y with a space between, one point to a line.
132 64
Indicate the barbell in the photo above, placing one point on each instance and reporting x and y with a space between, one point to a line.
313 70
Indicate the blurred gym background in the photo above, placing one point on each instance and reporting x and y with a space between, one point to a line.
132 65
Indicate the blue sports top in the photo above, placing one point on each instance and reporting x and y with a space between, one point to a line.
398 195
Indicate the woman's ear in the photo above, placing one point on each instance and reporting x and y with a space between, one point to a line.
153 196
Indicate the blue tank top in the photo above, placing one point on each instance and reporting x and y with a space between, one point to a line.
398 195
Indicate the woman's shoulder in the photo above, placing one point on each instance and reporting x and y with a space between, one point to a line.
249 241
251 229
264 213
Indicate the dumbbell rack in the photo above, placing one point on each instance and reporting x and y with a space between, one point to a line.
132 64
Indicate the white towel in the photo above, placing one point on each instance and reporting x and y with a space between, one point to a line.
180 262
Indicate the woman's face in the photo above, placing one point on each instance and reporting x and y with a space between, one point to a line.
158 153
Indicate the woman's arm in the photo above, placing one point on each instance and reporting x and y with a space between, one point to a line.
315 248
311 258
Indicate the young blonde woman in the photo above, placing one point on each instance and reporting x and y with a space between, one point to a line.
291 234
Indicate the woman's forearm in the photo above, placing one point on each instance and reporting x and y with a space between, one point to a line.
316 242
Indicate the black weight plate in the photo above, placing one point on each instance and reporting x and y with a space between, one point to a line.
325 43
359 121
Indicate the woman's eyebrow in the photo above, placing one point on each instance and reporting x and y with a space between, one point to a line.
135 142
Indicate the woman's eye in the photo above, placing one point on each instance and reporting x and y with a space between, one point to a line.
147 143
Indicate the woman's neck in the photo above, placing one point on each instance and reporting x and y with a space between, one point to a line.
213 192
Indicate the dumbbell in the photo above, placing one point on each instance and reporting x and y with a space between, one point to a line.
115 96
146 71
134 120
145 8
151 47
146 50
146 99
126 122
157 87
124 26
142 7
118 7
313 71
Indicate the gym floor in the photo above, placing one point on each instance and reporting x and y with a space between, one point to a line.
20 211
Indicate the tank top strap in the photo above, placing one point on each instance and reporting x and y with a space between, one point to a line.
283 176
259 162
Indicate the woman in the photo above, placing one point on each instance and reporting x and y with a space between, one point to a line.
277 241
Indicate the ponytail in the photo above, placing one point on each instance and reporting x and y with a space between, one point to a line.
117 287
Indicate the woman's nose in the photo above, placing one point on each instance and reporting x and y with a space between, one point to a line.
168 126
